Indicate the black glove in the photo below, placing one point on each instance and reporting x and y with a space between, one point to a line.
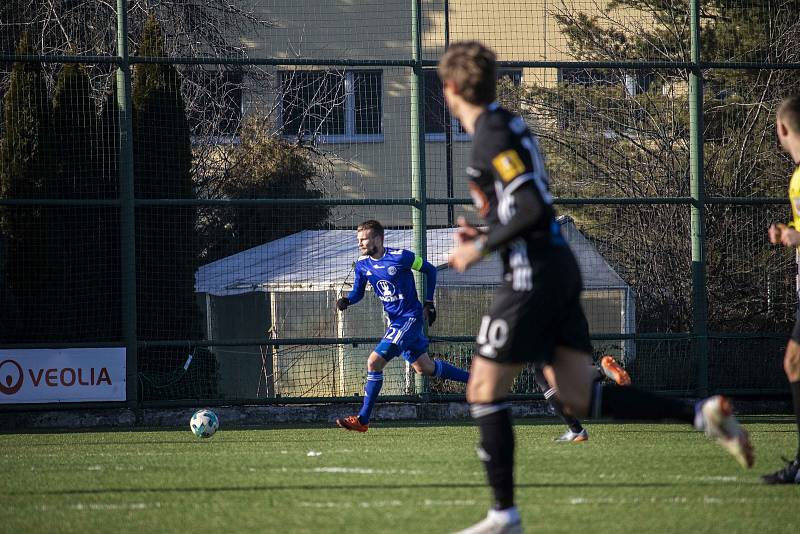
343 303
429 312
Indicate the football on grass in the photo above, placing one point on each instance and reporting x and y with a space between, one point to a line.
204 423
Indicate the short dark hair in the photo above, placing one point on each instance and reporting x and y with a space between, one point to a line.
472 67
371 224
789 112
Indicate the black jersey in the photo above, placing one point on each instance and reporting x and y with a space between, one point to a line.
510 188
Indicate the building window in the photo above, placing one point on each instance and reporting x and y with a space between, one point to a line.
367 103
635 82
435 115
582 114
332 106
435 108
214 106
515 75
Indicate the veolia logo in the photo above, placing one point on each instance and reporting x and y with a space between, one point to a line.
11 377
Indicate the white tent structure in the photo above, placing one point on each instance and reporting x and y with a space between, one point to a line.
287 288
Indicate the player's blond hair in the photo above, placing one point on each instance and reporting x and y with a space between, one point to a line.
789 113
472 67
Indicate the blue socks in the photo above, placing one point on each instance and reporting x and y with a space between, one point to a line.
375 381
371 390
449 372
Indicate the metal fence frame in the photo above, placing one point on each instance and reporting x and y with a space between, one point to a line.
418 201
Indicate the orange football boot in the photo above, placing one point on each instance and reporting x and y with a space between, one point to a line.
614 371
352 423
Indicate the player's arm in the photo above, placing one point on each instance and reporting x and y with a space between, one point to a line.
429 270
784 234
356 294
529 210
495 150
775 232
501 153
467 231
790 237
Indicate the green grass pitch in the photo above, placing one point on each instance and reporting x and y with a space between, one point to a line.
413 478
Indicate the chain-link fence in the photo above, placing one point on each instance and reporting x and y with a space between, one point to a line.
184 179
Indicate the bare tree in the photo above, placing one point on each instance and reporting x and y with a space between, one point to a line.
192 28
625 133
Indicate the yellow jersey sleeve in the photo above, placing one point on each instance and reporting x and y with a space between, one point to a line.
794 198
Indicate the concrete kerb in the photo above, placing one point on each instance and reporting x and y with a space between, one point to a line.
264 416
241 416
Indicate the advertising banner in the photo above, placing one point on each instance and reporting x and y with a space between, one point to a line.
62 375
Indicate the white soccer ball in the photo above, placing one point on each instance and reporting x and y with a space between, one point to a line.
204 423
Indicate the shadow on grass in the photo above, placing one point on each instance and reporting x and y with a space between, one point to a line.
326 487
520 422
195 442
188 441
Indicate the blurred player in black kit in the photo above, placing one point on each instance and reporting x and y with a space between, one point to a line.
536 315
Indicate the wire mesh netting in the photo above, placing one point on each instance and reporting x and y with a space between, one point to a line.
263 132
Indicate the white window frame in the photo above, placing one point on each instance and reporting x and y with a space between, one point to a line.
455 135
349 111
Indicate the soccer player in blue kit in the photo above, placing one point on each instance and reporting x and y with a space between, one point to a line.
388 270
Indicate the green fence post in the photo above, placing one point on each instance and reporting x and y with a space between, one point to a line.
418 193
126 209
699 302
448 130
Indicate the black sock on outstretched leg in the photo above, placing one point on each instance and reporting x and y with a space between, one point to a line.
610 400
551 396
555 403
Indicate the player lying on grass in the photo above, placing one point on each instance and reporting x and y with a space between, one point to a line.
788 126
607 367
536 315
388 270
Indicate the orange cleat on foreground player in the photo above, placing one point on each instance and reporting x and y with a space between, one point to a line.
614 371
352 423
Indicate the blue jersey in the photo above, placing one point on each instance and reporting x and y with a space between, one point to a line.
393 282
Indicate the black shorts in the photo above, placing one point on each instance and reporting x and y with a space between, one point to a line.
526 326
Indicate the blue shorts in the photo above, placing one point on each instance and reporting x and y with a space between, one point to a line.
404 336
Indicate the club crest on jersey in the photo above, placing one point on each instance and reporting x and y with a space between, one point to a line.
392 270
386 291
508 164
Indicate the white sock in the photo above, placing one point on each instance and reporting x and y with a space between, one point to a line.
507 516
699 421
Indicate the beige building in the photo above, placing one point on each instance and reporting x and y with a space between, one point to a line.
361 115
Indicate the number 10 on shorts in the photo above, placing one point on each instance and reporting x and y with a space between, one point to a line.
492 335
